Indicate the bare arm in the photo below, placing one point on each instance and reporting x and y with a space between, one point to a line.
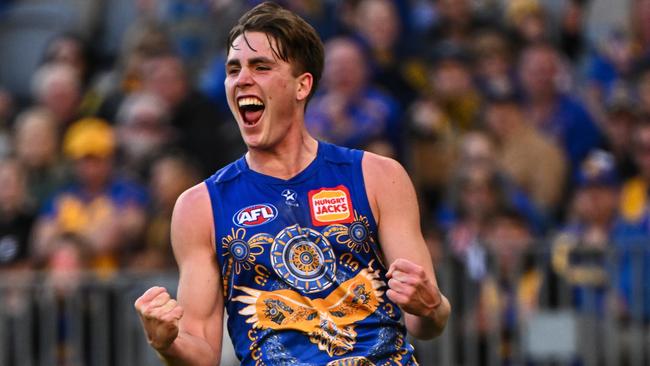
412 282
188 332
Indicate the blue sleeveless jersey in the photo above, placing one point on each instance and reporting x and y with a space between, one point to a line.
303 279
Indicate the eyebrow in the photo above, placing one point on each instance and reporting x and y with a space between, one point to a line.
252 61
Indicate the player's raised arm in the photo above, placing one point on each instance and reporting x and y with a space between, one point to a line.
188 331
412 283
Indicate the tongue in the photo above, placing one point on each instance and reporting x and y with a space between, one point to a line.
251 117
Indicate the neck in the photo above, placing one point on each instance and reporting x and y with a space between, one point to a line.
286 159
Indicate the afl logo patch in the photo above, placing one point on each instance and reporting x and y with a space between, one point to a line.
255 215
330 205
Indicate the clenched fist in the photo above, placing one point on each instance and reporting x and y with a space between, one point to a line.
409 287
160 315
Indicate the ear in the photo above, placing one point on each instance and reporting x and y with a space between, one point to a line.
305 83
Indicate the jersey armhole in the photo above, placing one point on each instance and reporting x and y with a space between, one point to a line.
216 212
362 191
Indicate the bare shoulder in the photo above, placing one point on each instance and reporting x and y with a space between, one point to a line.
375 166
382 174
192 216
386 181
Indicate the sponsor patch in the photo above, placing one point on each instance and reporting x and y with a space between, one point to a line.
330 205
255 215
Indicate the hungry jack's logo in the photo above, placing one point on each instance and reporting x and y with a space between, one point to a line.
330 205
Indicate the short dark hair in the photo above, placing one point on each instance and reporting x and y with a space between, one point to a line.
295 39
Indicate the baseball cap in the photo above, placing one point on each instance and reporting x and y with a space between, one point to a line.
89 137
598 169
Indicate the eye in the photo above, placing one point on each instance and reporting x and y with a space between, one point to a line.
232 71
262 68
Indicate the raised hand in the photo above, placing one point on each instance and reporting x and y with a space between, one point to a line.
160 315
409 287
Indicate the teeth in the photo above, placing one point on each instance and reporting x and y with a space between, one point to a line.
249 101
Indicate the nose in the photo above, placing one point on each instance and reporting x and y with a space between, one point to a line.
244 78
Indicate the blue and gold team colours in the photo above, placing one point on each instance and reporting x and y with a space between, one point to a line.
303 279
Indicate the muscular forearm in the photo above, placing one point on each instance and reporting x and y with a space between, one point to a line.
427 327
188 350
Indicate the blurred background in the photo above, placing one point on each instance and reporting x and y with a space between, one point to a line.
524 124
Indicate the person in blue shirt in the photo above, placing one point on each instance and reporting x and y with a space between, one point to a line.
314 250
561 117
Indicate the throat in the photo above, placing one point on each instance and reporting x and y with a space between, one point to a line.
283 162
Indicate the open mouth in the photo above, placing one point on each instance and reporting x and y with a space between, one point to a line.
251 109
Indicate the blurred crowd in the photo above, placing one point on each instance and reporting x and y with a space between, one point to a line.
519 131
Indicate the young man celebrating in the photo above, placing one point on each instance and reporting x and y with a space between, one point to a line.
318 248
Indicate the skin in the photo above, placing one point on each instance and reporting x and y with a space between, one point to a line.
186 332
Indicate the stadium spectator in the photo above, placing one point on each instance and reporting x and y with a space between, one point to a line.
519 148
493 61
37 146
609 72
550 110
73 50
57 87
431 151
378 26
528 22
620 120
510 293
453 85
633 230
171 174
572 22
16 217
143 131
580 249
142 41
106 211
66 268
634 194
456 23
477 190
348 110
210 138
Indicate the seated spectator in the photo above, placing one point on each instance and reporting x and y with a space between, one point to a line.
378 26
519 148
553 112
632 232
106 211
635 205
36 144
528 22
580 249
477 190
143 131
494 61
609 68
142 41
349 111
57 87
510 293
453 85
431 151
16 217
171 174
621 117
210 138
66 268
